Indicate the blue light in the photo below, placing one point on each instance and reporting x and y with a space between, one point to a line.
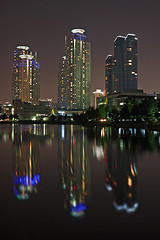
79 207
15 191
79 37
23 180
35 64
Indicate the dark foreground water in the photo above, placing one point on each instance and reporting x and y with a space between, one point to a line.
71 182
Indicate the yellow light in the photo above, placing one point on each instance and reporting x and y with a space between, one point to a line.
132 170
52 111
129 182
130 195
103 120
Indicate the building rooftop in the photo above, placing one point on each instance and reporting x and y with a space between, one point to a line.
119 37
23 47
79 31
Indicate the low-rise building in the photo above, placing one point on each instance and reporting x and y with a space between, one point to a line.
27 111
97 93
118 99
7 109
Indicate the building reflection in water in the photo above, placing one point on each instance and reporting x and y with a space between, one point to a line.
120 168
25 156
74 160
121 177
121 173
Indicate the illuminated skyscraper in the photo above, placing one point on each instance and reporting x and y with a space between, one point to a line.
121 69
25 75
109 74
74 76
62 83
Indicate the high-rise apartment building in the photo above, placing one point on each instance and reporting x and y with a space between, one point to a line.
74 75
25 75
109 74
121 68
62 83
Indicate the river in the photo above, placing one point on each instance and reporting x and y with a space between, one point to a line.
74 182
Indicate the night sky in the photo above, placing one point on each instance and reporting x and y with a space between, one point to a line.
42 25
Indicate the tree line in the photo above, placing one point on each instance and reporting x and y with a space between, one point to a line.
147 109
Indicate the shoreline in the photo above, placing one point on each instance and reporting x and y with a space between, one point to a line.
116 124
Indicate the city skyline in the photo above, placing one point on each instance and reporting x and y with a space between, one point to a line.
47 24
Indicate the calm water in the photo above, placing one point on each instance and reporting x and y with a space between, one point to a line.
71 182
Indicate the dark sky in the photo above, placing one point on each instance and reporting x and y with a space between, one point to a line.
42 25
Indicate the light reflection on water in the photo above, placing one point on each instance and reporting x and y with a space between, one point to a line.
74 158
84 157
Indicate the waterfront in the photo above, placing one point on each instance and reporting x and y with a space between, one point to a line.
76 182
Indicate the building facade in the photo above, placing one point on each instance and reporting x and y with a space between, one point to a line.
62 83
121 68
28 111
74 75
25 75
109 74
119 99
7 109
97 93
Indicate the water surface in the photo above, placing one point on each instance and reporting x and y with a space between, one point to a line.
72 182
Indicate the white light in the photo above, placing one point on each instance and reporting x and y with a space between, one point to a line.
109 188
61 112
81 31
132 209
130 34
98 91
28 57
74 203
125 207
44 129
23 47
108 56
118 37
119 207
62 131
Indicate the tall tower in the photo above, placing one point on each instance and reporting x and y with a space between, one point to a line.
121 69
25 75
74 76
109 74
118 82
62 83
130 61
